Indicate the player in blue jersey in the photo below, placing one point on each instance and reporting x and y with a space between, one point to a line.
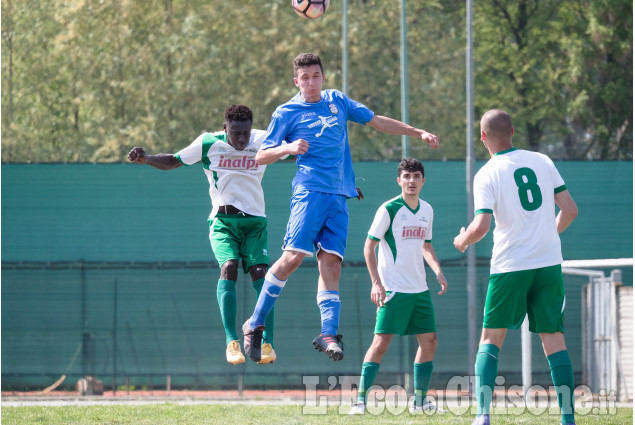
314 125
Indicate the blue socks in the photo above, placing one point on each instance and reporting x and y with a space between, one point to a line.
329 303
268 296
267 335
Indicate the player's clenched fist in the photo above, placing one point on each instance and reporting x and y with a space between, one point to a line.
298 147
138 155
430 139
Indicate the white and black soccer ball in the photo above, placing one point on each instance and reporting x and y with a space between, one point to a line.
310 9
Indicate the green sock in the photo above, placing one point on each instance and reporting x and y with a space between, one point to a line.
369 373
562 375
267 335
423 374
485 368
226 295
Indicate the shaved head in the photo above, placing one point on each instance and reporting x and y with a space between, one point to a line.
497 125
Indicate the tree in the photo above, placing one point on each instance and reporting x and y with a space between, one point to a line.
563 69
518 65
599 79
86 80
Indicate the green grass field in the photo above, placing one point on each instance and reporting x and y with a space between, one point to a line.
199 414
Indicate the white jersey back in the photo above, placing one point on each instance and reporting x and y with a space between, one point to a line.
518 187
234 176
401 233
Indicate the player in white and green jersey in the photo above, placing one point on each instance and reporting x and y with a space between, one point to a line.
402 229
228 168
238 225
521 190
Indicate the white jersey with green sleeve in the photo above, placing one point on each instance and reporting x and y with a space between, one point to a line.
518 188
234 176
401 232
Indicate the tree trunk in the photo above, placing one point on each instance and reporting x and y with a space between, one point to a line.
534 132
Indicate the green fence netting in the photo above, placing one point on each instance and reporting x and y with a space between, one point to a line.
107 271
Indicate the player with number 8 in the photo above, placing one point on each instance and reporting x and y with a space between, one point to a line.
521 190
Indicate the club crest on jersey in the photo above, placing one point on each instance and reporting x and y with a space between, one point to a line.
413 232
333 108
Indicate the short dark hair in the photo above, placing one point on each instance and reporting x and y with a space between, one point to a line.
238 113
306 59
410 165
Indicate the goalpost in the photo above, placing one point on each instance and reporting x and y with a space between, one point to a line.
604 310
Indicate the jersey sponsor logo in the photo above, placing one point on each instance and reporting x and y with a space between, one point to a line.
325 122
307 115
333 109
237 163
413 232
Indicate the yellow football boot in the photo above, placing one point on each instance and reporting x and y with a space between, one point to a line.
233 353
268 355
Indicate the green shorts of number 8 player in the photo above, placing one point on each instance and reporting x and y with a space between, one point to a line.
538 293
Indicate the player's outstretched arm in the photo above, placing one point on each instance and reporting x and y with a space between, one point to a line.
474 233
568 210
377 291
162 161
392 126
271 155
430 256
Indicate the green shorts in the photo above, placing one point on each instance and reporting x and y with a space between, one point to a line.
239 237
406 314
538 293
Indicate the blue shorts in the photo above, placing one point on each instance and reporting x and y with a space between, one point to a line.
318 221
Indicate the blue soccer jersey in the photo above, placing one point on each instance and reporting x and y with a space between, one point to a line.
327 166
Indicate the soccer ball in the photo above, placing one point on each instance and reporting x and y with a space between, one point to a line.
310 9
